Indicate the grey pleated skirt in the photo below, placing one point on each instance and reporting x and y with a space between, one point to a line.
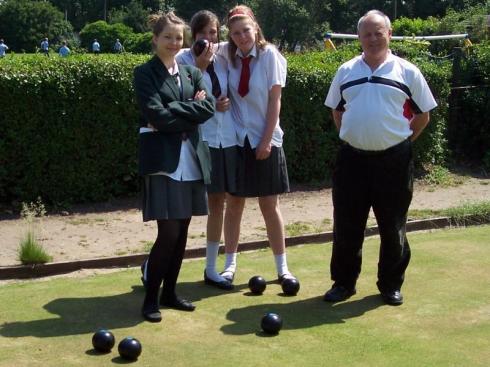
165 198
223 170
261 177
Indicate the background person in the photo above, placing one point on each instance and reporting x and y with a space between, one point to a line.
380 104
64 50
96 47
173 159
118 47
3 48
45 46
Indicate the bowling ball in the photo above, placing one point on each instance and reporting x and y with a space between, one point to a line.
257 284
129 348
290 286
271 323
103 340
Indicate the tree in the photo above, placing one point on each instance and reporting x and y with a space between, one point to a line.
24 23
133 15
284 21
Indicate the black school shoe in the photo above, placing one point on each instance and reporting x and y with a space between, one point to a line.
392 298
281 278
338 293
225 284
228 277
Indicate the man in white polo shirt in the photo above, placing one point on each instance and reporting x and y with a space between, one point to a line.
380 104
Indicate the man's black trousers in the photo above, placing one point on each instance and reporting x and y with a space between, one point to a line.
382 180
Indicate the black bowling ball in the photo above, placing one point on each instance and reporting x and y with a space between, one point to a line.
290 286
271 323
257 284
129 348
103 340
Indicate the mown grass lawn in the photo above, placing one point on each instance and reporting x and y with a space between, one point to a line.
445 320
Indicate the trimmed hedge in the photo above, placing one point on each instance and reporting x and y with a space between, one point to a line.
68 127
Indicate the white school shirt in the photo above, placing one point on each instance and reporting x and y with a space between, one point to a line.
377 103
188 168
249 112
219 130
96 46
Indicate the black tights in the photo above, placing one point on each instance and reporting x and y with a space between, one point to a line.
165 259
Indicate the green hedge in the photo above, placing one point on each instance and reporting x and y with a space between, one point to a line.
68 127
469 130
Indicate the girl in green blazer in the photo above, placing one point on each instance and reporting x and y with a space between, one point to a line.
173 159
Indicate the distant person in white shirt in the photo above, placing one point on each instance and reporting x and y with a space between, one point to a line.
3 48
96 47
118 47
64 50
256 76
45 46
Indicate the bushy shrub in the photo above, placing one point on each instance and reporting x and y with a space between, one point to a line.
69 126
106 34
415 26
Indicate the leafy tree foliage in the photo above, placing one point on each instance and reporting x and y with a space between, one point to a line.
133 15
24 23
105 34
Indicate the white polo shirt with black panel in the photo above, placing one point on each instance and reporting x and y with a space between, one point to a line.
378 105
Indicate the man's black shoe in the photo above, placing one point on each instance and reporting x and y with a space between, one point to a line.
177 304
393 298
338 293
151 314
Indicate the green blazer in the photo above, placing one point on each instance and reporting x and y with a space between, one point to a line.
173 116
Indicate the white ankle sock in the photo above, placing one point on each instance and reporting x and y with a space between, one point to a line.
212 249
230 263
281 264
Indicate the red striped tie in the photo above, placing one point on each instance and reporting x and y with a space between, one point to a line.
244 76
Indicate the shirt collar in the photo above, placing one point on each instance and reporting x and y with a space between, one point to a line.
174 69
252 52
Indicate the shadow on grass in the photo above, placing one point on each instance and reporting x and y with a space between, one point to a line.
82 315
299 315
85 315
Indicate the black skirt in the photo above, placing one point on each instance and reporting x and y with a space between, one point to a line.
166 198
223 170
266 177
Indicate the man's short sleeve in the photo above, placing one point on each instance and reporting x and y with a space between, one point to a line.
421 94
334 97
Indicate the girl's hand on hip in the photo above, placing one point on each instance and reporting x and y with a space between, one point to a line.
263 151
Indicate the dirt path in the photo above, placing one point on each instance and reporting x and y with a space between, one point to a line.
116 228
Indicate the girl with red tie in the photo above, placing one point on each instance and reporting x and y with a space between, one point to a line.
256 75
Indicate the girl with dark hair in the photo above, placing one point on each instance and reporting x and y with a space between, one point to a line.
173 159
218 131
